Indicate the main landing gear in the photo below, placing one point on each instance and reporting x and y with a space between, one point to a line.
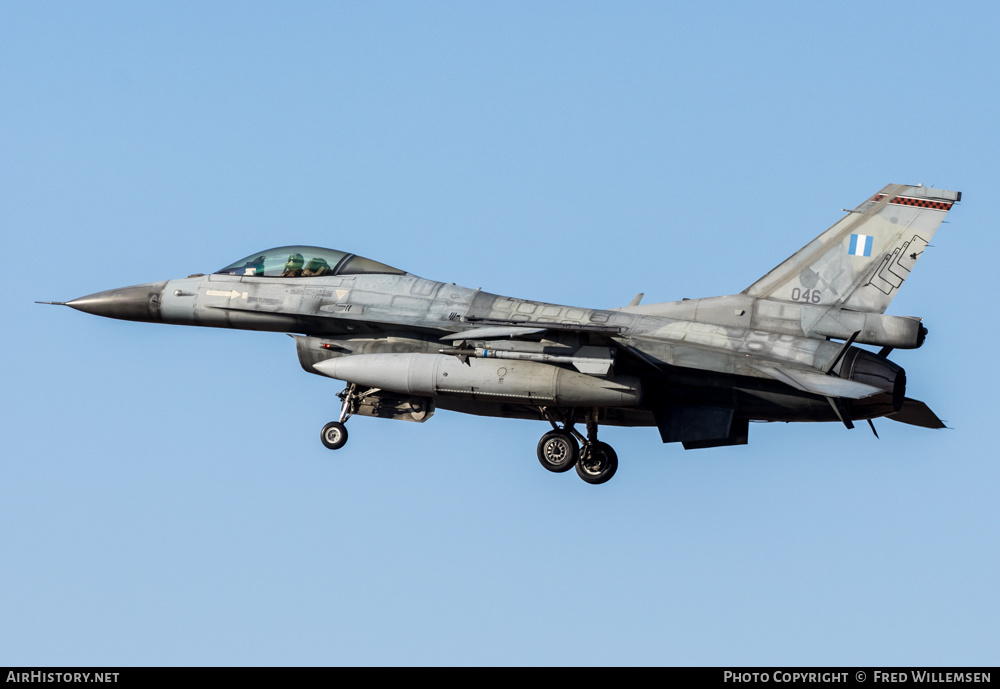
559 450
334 434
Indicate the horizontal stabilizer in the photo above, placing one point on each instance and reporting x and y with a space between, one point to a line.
916 413
819 384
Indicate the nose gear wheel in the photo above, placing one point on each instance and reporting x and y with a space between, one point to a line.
334 434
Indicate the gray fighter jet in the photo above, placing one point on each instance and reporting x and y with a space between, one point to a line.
698 370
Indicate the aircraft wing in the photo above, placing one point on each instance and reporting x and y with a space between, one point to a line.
806 381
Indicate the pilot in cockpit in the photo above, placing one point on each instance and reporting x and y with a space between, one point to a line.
316 267
293 267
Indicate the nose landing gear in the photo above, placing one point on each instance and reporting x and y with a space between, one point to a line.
559 451
334 434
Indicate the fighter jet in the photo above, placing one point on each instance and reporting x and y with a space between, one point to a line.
698 370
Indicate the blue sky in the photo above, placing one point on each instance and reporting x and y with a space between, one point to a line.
165 499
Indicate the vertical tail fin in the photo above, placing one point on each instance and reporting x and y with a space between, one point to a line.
861 262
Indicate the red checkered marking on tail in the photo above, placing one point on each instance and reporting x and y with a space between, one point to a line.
920 203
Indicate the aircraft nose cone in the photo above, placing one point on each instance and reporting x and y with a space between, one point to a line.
138 303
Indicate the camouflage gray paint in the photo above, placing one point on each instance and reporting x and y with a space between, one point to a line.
784 349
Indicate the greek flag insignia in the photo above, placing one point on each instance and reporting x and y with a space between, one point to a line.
861 245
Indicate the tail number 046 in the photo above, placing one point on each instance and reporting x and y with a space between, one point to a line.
811 296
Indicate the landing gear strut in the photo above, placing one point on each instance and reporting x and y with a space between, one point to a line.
334 434
559 451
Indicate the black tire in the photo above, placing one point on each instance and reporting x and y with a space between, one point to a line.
558 451
334 435
598 463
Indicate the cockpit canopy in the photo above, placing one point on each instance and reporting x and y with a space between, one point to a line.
305 262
